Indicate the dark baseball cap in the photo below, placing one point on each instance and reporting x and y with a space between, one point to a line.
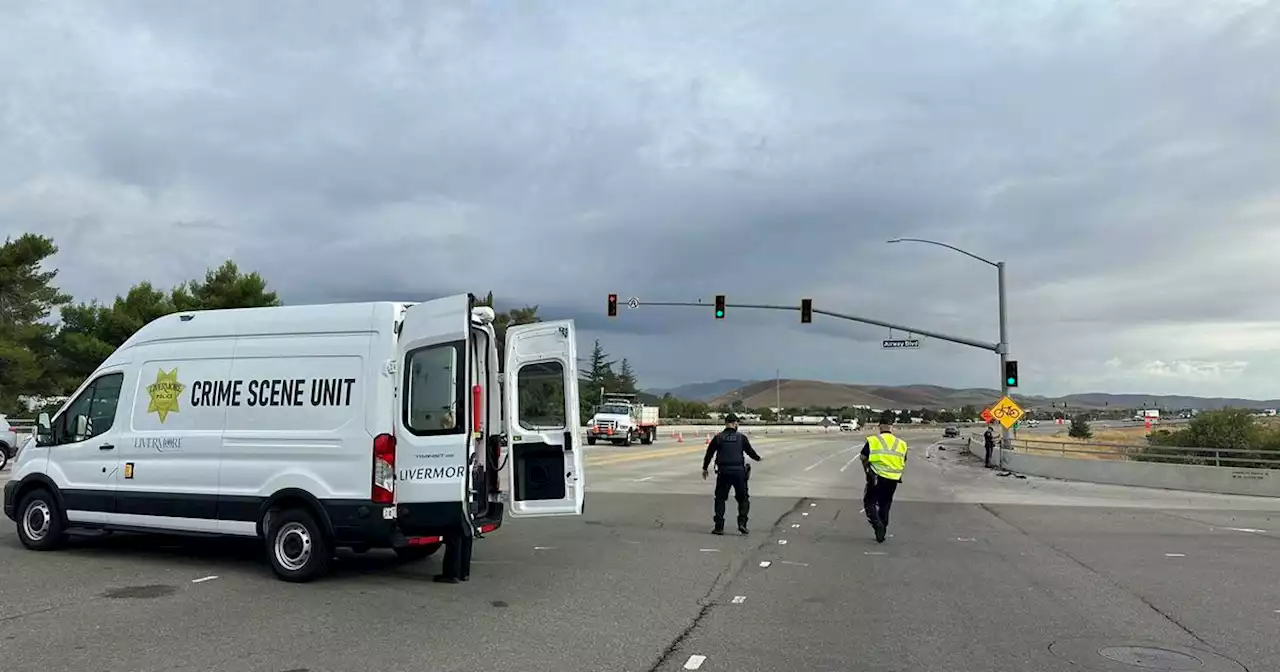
731 417
887 418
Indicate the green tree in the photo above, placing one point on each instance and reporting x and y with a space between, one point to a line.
946 416
27 298
968 412
626 380
928 415
224 287
502 320
1080 428
904 417
91 331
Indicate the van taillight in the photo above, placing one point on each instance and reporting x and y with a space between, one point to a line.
384 468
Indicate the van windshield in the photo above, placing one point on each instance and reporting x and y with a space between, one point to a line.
614 409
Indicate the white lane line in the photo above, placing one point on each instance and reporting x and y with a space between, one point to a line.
709 550
765 563
544 548
813 503
203 579
795 525
642 480
1175 555
782 541
798 564
739 599
874 553
965 539
805 513
831 456
694 662
846 464
1245 529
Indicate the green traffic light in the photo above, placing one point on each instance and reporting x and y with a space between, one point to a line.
1012 381
719 313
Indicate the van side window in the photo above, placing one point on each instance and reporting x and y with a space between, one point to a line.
541 403
97 403
433 390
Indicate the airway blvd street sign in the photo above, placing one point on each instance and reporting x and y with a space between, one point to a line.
1007 412
901 343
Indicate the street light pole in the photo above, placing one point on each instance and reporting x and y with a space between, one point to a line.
1003 347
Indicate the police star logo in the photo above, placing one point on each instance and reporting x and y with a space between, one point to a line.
164 394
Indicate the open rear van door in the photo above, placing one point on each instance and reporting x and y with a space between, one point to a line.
544 474
431 412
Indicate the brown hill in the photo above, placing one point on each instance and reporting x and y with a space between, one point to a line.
820 394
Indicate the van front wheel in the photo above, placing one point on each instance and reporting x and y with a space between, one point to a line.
40 526
297 547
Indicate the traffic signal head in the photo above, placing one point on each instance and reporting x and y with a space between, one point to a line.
1011 373
719 306
806 311
613 305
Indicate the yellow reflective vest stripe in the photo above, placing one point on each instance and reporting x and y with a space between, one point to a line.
888 455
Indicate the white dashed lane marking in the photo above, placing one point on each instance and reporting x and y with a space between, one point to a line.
203 579
694 662
739 599
1175 555
765 563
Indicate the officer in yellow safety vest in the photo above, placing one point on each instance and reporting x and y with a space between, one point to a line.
884 458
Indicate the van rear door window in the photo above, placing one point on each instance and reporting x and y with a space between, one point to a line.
433 390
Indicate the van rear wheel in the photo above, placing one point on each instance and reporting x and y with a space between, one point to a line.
296 546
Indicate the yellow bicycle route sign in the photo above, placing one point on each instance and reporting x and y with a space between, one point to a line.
1007 412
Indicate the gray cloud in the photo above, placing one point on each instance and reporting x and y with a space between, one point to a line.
1119 156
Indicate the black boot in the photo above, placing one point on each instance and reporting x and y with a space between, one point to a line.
742 528
717 530
880 532
445 578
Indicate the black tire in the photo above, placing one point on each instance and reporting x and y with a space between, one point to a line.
297 547
415 553
646 438
591 440
41 526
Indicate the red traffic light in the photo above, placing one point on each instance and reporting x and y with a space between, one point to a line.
613 305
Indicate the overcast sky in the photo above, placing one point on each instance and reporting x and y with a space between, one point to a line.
1123 157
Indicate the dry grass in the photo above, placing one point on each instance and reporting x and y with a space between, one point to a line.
1059 444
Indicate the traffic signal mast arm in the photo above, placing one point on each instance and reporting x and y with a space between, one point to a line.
981 345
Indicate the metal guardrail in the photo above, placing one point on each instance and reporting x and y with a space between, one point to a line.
1214 457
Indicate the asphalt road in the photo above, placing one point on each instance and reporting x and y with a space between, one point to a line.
983 572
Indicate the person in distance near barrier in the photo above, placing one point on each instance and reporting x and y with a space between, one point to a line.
884 459
989 442
730 448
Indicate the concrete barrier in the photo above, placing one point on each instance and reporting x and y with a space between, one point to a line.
1196 478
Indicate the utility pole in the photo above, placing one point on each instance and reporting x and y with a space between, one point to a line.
1002 348
777 386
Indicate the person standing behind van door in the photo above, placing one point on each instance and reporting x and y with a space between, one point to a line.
456 565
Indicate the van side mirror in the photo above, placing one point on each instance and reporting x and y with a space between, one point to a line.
43 423
82 427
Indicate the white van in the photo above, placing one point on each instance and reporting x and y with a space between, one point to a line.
313 428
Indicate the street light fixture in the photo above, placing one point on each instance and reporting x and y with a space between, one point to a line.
1003 348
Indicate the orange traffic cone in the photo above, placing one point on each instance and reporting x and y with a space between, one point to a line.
680 438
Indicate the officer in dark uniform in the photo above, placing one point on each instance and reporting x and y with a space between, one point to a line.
730 448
